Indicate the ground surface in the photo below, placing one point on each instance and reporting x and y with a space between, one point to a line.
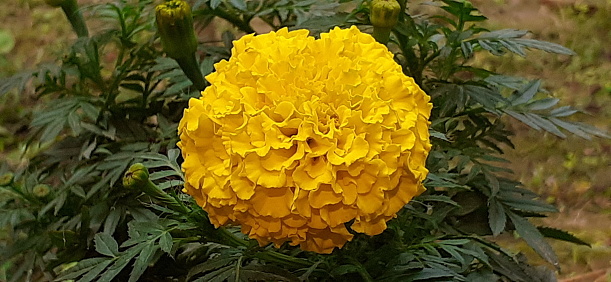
575 174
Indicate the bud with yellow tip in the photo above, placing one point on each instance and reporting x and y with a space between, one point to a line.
384 15
6 179
137 177
41 190
175 27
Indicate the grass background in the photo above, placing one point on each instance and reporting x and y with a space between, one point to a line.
573 173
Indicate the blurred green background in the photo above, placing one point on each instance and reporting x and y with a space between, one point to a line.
573 173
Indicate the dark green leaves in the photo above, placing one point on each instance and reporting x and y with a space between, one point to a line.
534 238
106 245
497 42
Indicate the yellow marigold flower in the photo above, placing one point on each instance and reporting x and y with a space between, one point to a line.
298 136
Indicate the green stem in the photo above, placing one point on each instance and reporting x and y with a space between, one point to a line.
239 23
283 259
362 271
230 239
75 17
191 69
381 34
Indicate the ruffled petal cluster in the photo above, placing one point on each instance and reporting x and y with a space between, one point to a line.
301 139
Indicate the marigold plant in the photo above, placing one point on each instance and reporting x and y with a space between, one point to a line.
296 137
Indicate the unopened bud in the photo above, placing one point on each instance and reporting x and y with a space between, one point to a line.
41 190
384 13
6 179
137 177
175 26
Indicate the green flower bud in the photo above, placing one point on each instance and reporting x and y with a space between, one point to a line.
175 26
41 190
7 179
137 177
384 13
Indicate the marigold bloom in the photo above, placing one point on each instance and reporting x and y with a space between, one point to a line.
298 136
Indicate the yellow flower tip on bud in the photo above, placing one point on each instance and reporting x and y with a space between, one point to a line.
136 175
41 190
384 13
6 179
175 26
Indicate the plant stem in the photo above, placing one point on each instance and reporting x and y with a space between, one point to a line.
191 69
283 259
75 17
381 34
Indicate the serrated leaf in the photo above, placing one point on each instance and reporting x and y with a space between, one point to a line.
215 4
528 205
94 272
165 242
210 265
542 104
487 97
120 263
178 87
545 124
81 267
437 198
106 245
534 238
240 4
496 216
430 273
527 93
561 235
344 269
142 261
523 119
544 46
112 220
571 127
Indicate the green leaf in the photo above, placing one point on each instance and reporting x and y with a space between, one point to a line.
437 198
561 235
527 93
563 111
522 118
496 216
571 127
542 104
94 272
544 46
18 81
106 245
545 124
165 242
120 263
240 4
83 267
430 273
344 269
528 205
112 220
534 238
142 261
